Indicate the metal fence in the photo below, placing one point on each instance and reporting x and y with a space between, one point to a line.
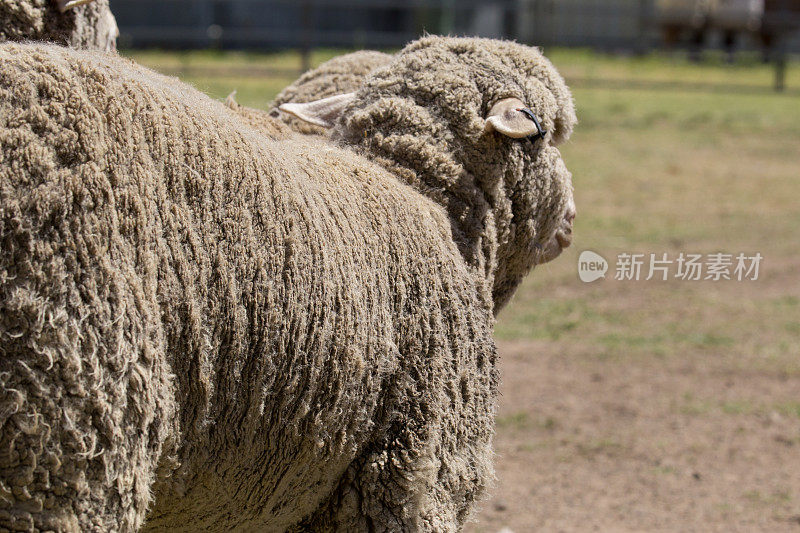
268 24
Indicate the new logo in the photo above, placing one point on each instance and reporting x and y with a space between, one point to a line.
591 266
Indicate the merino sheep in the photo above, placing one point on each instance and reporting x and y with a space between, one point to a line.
425 124
86 24
202 328
340 75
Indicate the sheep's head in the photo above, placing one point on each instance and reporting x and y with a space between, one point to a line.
453 117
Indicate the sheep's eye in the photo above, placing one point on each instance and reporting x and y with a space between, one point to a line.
540 132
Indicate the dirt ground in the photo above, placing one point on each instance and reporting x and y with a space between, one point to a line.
647 445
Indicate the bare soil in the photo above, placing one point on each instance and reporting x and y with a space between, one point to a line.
688 443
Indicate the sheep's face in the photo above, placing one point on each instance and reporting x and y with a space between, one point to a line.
453 117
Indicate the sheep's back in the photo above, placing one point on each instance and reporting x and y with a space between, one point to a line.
266 308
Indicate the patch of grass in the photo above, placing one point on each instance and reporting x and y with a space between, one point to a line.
518 420
549 319
738 407
789 408
665 470
747 72
693 406
522 420
607 446
775 497
710 340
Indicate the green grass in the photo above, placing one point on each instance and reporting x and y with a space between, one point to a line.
748 72
664 169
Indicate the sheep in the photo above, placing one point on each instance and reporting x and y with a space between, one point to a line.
86 24
498 229
204 328
342 74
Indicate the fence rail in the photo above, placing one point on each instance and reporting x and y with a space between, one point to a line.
605 24
619 25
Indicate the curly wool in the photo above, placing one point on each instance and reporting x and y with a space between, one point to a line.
232 331
423 118
90 26
342 74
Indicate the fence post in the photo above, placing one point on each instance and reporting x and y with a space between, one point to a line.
448 20
308 29
644 26
780 65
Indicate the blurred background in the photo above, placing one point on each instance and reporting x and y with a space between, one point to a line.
626 405
622 26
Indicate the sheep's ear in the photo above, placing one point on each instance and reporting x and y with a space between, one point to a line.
506 117
321 112
66 5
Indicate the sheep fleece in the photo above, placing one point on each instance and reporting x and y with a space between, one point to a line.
210 329
90 27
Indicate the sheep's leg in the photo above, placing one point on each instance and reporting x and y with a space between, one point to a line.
385 491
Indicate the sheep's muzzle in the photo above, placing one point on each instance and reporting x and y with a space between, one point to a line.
562 238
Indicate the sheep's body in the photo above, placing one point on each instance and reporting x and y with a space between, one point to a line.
256 333
260 332
91 26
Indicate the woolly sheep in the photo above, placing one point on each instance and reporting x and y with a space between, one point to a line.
426 125
87 24
342 74
206 328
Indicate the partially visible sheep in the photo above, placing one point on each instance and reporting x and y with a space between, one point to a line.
342 74
260 335
86 24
